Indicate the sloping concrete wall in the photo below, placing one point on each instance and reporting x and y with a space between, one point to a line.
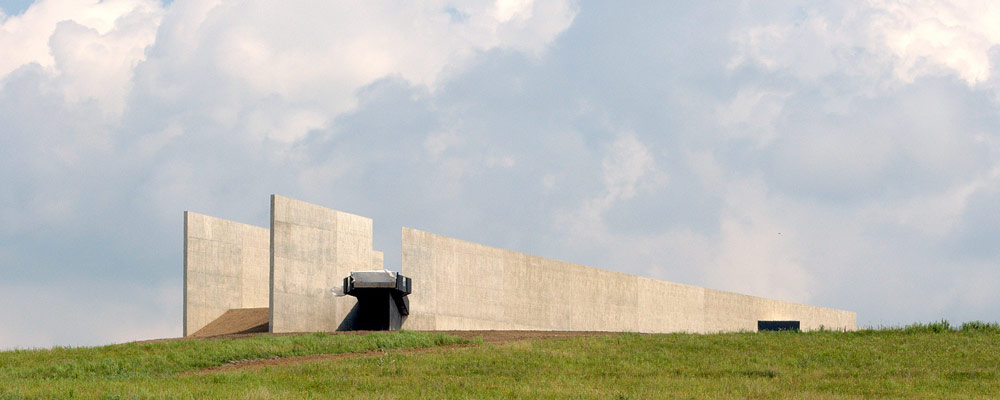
460 285
225 267
312 249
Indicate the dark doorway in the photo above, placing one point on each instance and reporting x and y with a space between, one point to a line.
382 303
777 325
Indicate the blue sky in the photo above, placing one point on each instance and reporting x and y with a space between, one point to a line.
14 7
838 154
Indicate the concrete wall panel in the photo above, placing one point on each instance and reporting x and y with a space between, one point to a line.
460 285
225 267
312 249
457 284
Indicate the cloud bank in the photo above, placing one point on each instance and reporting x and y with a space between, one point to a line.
844 155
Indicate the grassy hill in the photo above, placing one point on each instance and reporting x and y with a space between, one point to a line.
922 361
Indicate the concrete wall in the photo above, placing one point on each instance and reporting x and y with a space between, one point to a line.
225 267
460 285
313 249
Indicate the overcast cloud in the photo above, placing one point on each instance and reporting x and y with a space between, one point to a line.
843 154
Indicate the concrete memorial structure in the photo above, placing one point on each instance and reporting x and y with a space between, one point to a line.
312 249
460 285
456 285
225 267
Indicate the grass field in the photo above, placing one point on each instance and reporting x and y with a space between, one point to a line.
920 361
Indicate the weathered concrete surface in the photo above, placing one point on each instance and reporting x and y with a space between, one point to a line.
312 249
225 267
460 285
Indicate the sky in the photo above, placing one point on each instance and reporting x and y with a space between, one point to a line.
841 154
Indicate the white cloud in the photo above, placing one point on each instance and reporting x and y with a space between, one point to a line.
115 106
626 167
260 74
927 36
25 37
808 49
758 249
313 55
89 48
938 213
866 137
508 9
755 250
436 144
752 113
881 39
320 53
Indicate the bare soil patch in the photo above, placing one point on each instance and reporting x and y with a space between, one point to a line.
236 321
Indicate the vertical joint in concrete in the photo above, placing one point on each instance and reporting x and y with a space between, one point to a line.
270 273
184 330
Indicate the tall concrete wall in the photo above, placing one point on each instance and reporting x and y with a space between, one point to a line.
225 267
313 249
457 284
460 285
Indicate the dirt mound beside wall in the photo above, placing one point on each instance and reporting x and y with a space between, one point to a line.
236 321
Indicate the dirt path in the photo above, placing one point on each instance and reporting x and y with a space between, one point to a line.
487 337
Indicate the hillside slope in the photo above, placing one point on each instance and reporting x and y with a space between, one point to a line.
925 362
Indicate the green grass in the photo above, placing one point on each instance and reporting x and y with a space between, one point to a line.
919 361
125 368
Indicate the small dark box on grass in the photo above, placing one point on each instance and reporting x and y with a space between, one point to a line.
777 325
